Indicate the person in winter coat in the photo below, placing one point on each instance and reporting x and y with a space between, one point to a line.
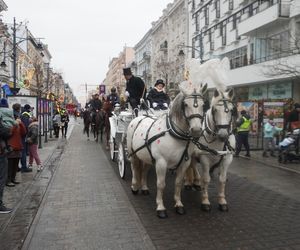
25 118
135 89
14 156
64 119
32 140
56 119
113 98
157 97
269 130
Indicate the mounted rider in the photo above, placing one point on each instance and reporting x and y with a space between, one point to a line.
113 98
95 106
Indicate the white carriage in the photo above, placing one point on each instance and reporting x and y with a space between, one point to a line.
119 122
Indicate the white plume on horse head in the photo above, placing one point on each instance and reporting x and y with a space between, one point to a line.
218 72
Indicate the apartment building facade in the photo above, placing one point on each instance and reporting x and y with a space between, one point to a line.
261 38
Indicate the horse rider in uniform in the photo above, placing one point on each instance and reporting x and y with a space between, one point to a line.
113 98
135 89
244 124
95 106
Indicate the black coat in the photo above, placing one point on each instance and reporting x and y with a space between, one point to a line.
158 96
135 86
95 104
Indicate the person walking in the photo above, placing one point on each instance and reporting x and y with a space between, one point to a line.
14 156
25 118
157 97
64 119
56 120
32 140
135 89
244 125
269 144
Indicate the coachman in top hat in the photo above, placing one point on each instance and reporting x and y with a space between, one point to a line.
135 89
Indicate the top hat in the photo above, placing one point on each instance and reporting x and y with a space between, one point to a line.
127 71
159 81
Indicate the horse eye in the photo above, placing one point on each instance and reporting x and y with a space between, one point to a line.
185 104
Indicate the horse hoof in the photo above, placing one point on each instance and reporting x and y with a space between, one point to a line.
188 187
135 192
145 192
197 187
206 207
223 207
162 214
180 210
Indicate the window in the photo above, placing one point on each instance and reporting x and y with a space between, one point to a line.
230 4
217 6
238 57
206 15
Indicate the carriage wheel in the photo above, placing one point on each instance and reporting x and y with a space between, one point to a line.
112 148
121 160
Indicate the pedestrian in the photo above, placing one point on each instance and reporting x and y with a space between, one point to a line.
294 118
244 125
15 142
135 89
157 97
269 131
64 119
56 121
8 120
25 118
32 140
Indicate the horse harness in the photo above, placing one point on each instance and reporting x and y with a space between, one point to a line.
173 130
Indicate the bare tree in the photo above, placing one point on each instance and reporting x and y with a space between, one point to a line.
286 52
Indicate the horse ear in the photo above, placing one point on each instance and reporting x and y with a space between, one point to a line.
230 93
216 93
204 88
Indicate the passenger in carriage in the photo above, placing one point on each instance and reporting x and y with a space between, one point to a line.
157 97
135 89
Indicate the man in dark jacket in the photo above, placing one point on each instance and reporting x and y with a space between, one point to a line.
113 98
95 106
25 118
135 89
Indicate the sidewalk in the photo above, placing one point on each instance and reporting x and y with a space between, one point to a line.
273 161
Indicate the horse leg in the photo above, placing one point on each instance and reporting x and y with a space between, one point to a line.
197 178
188 178
205 204
144 175
221 187
135 169
161 170
88 131
178 185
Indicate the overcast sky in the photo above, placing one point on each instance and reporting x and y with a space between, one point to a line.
83 36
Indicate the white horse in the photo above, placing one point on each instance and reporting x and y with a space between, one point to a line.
218 137
166 143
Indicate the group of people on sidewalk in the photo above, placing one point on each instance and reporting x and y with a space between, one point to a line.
18 138
60 121
270 129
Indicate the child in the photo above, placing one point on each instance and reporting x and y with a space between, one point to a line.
32 140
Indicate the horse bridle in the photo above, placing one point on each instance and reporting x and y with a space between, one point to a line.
217 127
195 96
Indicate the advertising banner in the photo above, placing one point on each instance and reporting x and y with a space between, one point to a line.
274 110
258 92
280 91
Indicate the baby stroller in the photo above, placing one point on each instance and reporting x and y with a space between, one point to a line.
289 148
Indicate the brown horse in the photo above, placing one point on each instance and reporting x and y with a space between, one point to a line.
107 107
99 125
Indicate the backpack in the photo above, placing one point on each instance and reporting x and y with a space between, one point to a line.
5 132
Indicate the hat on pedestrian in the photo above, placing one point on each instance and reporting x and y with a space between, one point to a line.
243 112
3 103
159 81
27 107
127 72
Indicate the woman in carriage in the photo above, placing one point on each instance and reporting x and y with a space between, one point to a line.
157 97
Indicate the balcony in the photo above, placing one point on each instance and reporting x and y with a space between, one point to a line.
295 8
266 17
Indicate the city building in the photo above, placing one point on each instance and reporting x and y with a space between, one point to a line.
261 38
